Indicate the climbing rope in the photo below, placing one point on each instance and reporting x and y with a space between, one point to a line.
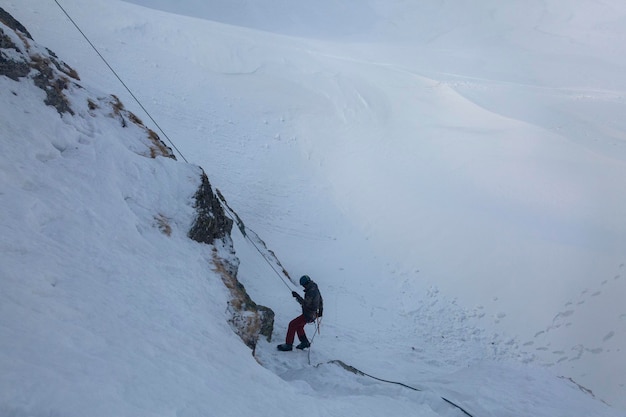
269 263
120 80
356 371
233 215
318 323
237 220
245 232
229 211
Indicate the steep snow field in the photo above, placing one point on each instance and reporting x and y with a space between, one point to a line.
451 175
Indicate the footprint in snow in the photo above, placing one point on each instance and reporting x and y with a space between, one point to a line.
562 314
608 336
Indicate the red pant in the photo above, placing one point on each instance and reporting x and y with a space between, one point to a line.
296 326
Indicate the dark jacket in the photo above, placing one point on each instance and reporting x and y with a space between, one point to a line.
312 303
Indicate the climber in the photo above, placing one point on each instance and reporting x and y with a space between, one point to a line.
312 308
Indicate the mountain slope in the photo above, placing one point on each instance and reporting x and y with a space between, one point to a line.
108 308
153 338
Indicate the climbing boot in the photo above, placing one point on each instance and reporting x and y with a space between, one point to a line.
285 347
304 343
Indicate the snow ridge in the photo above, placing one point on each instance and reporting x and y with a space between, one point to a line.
108 308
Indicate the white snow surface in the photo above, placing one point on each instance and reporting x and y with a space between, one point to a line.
451 174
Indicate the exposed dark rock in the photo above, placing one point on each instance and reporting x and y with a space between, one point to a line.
10 68
50 74
54 86
41 66
248 319
11 22
57 79
6 42
14 69
211 222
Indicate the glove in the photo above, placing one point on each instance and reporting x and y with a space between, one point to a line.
299 299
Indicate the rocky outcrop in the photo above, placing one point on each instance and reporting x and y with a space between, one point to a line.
211 222
248 319
21 58
12 23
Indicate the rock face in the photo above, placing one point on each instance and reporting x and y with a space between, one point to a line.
48 72
248 319
10 21
211 222
22 58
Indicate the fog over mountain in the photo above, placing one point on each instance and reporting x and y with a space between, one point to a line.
450 174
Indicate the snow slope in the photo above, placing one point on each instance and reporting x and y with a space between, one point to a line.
413 154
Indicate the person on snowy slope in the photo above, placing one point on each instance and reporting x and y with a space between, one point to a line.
312 308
